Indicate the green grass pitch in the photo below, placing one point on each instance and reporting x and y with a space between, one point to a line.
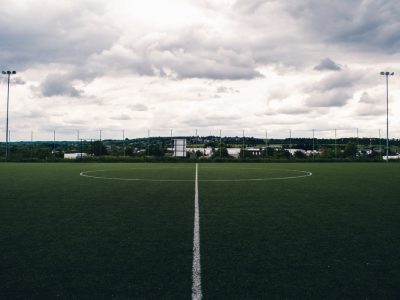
332 235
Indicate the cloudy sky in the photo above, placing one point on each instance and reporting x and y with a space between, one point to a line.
250 65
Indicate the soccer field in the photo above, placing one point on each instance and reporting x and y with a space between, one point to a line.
272 231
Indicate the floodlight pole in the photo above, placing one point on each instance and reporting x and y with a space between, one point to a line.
358 141
243 146
123 141
220 144
387 117
54 142
380 145
148 142
8 73
313 154
172 145
335 145
31 143
81 150
387 74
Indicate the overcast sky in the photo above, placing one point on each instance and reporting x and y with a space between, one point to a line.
248 65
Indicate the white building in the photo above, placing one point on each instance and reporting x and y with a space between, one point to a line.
254 151
293 151
179 148
391 157
205 151
234 152
74 155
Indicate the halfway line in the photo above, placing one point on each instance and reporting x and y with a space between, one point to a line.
196 271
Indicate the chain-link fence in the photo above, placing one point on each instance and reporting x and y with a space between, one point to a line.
212 143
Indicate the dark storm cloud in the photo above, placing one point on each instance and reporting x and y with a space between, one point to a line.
339 80
367 25
249 6
52 32
15 80
334 90
327 65
58 85
332 98
191 53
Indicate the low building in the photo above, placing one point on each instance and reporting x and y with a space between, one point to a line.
293 151
74 155
234 152
312 152
179 148
204 151
254 151
397 156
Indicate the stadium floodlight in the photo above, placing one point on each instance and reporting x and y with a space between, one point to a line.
387 74
8 73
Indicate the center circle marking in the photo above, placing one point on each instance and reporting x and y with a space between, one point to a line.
301 174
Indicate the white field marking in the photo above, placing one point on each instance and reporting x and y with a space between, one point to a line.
196 270
85 174
305 174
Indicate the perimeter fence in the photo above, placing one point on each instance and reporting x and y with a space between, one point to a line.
204 143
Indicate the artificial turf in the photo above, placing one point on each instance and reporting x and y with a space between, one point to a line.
69 237
333 235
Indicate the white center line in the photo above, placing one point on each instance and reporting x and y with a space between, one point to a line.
196 271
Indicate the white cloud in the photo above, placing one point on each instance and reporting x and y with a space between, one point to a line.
199 63
327 64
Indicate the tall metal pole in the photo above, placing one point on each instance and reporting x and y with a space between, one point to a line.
8 100
123 141
313 146
387 74
172 145
81 150
358 143
387 117
54 141
31 143
380 145
220 144
8 73
243 146
148 141
335 145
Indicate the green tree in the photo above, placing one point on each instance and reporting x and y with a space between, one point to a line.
156 150
299 155
99 149
327 152
282 154
223 152
350 150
